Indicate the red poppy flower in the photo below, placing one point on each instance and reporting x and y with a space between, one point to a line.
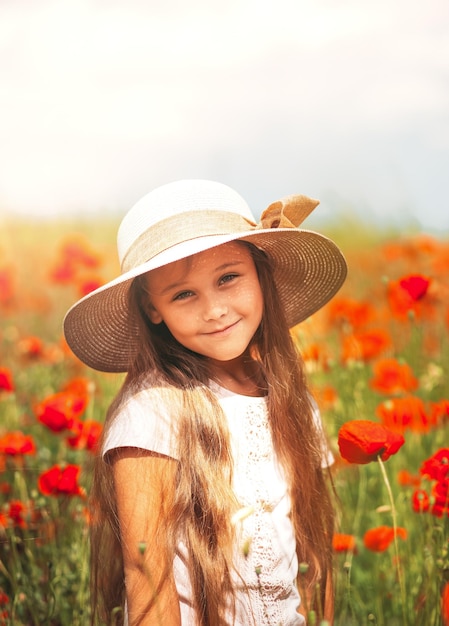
16 444
31 347
64 272
412 249
445 604
378 539
16 512
439 411
408 412
347 311
437 466
405 297
86 285
74 256
80 386
315 353
60 481
6 382
440 509
362 441
6 286
420 501
86 435
77 251
407 479
59 411
392 377
441 491
344 543
415 285
326 397
5 488
364 346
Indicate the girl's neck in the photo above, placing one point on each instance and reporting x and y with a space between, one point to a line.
242 376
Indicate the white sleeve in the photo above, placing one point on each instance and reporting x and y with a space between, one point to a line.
144 421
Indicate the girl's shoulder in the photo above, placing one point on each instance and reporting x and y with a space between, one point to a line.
145 418
151 390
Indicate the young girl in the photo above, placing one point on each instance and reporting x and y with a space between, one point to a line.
210 500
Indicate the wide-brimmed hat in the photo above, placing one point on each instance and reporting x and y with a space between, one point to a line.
189 216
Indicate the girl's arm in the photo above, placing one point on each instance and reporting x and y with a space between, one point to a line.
144 487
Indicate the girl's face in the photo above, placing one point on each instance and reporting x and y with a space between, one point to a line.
211 302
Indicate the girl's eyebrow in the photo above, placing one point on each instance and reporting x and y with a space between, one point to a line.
182 282
225 266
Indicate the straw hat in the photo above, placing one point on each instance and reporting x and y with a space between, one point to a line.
189 216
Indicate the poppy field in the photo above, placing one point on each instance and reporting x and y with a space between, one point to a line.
378 360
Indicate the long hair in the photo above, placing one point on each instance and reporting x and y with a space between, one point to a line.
204 500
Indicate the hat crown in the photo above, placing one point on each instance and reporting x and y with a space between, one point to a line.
177 199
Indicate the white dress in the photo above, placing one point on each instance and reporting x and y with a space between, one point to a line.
265 557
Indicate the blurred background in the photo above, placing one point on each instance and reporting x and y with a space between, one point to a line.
343 100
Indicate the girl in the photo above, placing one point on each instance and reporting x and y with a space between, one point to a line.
210 502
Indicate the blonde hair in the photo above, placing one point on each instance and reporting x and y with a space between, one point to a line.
204 500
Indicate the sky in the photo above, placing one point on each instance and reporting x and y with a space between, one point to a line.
346 101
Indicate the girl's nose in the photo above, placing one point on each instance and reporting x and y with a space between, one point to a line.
214 308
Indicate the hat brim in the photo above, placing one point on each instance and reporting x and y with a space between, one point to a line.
308 271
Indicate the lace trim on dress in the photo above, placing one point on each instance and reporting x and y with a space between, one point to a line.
260 488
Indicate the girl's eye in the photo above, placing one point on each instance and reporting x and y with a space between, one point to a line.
183 295
228 278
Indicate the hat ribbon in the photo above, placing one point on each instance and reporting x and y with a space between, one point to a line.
288 212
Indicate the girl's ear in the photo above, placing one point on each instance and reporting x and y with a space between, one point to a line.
154 315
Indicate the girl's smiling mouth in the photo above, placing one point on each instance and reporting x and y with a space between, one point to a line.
222 331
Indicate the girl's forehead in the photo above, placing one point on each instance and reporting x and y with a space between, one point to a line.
211 259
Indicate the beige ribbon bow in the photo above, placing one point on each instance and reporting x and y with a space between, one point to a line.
289 212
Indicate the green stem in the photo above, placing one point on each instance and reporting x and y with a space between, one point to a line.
395 532
361 497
